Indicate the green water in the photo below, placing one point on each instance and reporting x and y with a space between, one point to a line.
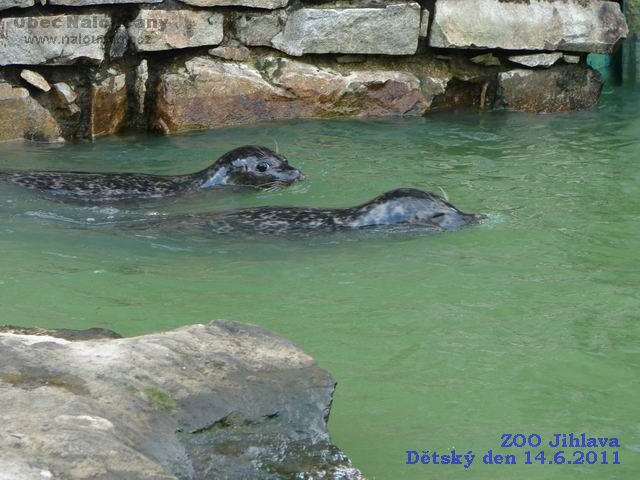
529 324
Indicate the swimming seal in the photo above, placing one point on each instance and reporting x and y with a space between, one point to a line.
251 166
404 207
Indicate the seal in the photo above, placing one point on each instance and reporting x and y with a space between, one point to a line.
403 209
248 166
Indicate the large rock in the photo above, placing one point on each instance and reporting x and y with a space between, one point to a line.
22 117
109 105
390 30
570 25
323 92
557 89
258 29
223 400
83 3
154 30
212 93
209 93
268 4
53 39
5 4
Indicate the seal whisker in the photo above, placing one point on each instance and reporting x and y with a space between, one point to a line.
444 194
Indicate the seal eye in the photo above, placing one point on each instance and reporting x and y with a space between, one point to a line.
262 167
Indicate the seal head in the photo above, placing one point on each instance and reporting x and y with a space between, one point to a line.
410 206
251 166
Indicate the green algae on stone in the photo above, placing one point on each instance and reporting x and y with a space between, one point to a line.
160 400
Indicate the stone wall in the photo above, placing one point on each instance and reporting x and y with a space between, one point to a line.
87 68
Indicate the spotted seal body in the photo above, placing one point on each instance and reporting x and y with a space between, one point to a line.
250 166
405 207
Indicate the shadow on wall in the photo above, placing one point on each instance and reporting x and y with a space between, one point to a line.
622 66
630 57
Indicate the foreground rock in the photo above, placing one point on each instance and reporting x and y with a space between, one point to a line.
390 30
570 25
218 401
53 39
64 333
22 117
210 93
559 89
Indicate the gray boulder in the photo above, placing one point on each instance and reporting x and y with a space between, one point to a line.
222 400
570 25
267 4
84 3
389 30
258 29
154 30
560 88
53 39
5 4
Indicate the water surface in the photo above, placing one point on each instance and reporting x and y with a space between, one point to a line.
527 324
